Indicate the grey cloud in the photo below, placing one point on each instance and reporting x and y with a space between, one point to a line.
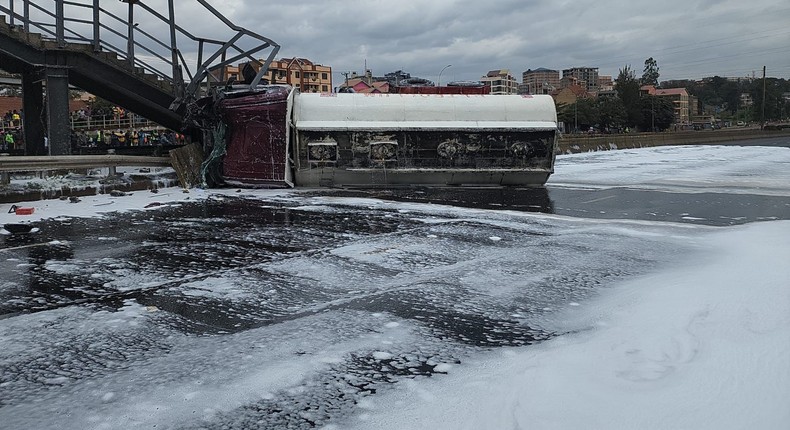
688 39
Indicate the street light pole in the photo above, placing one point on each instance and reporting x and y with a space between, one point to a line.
439 79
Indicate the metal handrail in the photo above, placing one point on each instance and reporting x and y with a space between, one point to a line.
110 122
212 55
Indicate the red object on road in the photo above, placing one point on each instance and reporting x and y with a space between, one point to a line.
22 211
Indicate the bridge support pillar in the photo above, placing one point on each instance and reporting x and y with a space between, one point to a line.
33 112
58 124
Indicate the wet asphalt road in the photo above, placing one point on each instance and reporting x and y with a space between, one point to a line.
213 277
209 236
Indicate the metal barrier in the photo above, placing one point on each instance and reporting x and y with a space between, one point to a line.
85 21
70 162
130 121
67 162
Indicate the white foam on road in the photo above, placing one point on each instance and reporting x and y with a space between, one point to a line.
702 168
702 346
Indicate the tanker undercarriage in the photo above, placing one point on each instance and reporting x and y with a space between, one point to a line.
278 137
418 157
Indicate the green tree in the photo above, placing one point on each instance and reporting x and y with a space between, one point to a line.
578 116
650 75
627 87
776 105
611 113
658 113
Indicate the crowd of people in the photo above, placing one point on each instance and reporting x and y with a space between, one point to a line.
125 138
115 128
12 119
11 131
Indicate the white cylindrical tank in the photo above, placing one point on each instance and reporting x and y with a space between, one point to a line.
372 112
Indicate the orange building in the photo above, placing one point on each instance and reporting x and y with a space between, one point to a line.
300 73
541 80
570 95
679 97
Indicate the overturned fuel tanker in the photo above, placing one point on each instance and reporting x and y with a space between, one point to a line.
275 136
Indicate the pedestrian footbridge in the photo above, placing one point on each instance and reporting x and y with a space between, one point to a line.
133 53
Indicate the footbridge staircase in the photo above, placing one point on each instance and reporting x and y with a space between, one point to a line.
134 53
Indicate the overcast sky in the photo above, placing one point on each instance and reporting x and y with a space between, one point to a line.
689 39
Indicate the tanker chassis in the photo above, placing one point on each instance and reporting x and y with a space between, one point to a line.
276 136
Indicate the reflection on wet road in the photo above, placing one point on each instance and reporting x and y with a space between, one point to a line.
351 291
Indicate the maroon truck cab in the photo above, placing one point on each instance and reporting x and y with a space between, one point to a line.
257 140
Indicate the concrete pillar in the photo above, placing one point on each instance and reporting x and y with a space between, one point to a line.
58 124
33 112
5 177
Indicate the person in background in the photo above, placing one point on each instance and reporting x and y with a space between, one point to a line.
8 141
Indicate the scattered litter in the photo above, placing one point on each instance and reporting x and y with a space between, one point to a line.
74 199
495 238
145 170
154 190
117 193
64 197
185 191
104 204
21 211
152 205
151 308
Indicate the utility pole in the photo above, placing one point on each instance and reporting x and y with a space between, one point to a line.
345 74
653 113
762 116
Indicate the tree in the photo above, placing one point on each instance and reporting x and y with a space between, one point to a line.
650 75
776 105
658 113
611 113
627 88
578 116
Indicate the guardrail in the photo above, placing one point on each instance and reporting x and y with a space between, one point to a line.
9 165
67 162
131 121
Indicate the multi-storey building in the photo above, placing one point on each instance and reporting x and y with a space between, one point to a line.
680 99
605 83
300 73
541 80
500 82
586 75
